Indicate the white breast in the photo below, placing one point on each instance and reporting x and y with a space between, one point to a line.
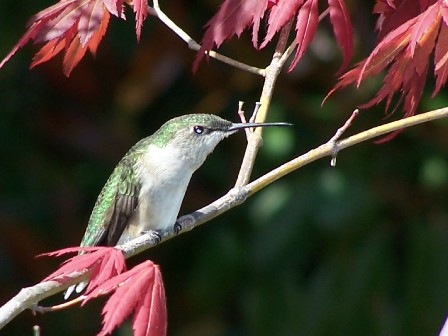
164 179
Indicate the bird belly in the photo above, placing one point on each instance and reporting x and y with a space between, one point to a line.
158 208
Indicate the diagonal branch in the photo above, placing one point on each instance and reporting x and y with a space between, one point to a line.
192 44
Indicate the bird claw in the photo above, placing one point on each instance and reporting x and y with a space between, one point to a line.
177 227
155 235
186 222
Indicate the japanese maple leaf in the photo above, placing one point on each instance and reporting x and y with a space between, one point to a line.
343 30
405 50
234 16
105 262
74 26
307 20
139 290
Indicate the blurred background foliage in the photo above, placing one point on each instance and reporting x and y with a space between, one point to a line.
359 249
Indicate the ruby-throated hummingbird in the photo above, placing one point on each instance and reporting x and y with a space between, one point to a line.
146 188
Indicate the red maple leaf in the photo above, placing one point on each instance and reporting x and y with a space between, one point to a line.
441 57
141 12
139 290
394 13
74 26
306 27
105 263
234 16
405 49
343 30
280 14
231 19
107 267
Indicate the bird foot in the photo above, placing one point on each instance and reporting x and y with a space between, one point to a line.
156 235
186 222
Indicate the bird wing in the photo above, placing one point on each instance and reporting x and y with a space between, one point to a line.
125 204
114 207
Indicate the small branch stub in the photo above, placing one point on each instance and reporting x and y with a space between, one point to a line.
338 134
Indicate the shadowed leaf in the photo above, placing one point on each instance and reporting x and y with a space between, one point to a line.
306 27
342 27
231 19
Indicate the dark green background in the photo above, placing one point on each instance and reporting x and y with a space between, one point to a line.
360 249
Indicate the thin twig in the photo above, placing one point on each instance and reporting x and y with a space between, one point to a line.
253 117
242 116
192 44
324 14
254 139
347 124
241 112
339 133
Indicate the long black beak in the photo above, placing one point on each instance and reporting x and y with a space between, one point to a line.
238 126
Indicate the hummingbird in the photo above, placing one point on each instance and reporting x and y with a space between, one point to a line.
144 193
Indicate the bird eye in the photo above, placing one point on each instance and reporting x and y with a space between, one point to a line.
198 129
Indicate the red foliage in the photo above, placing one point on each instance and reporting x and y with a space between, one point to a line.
104 261
141 12
107 267
139 290
236 15
306 27
406 43
232 18
280 14
342 27
75 26
409 32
